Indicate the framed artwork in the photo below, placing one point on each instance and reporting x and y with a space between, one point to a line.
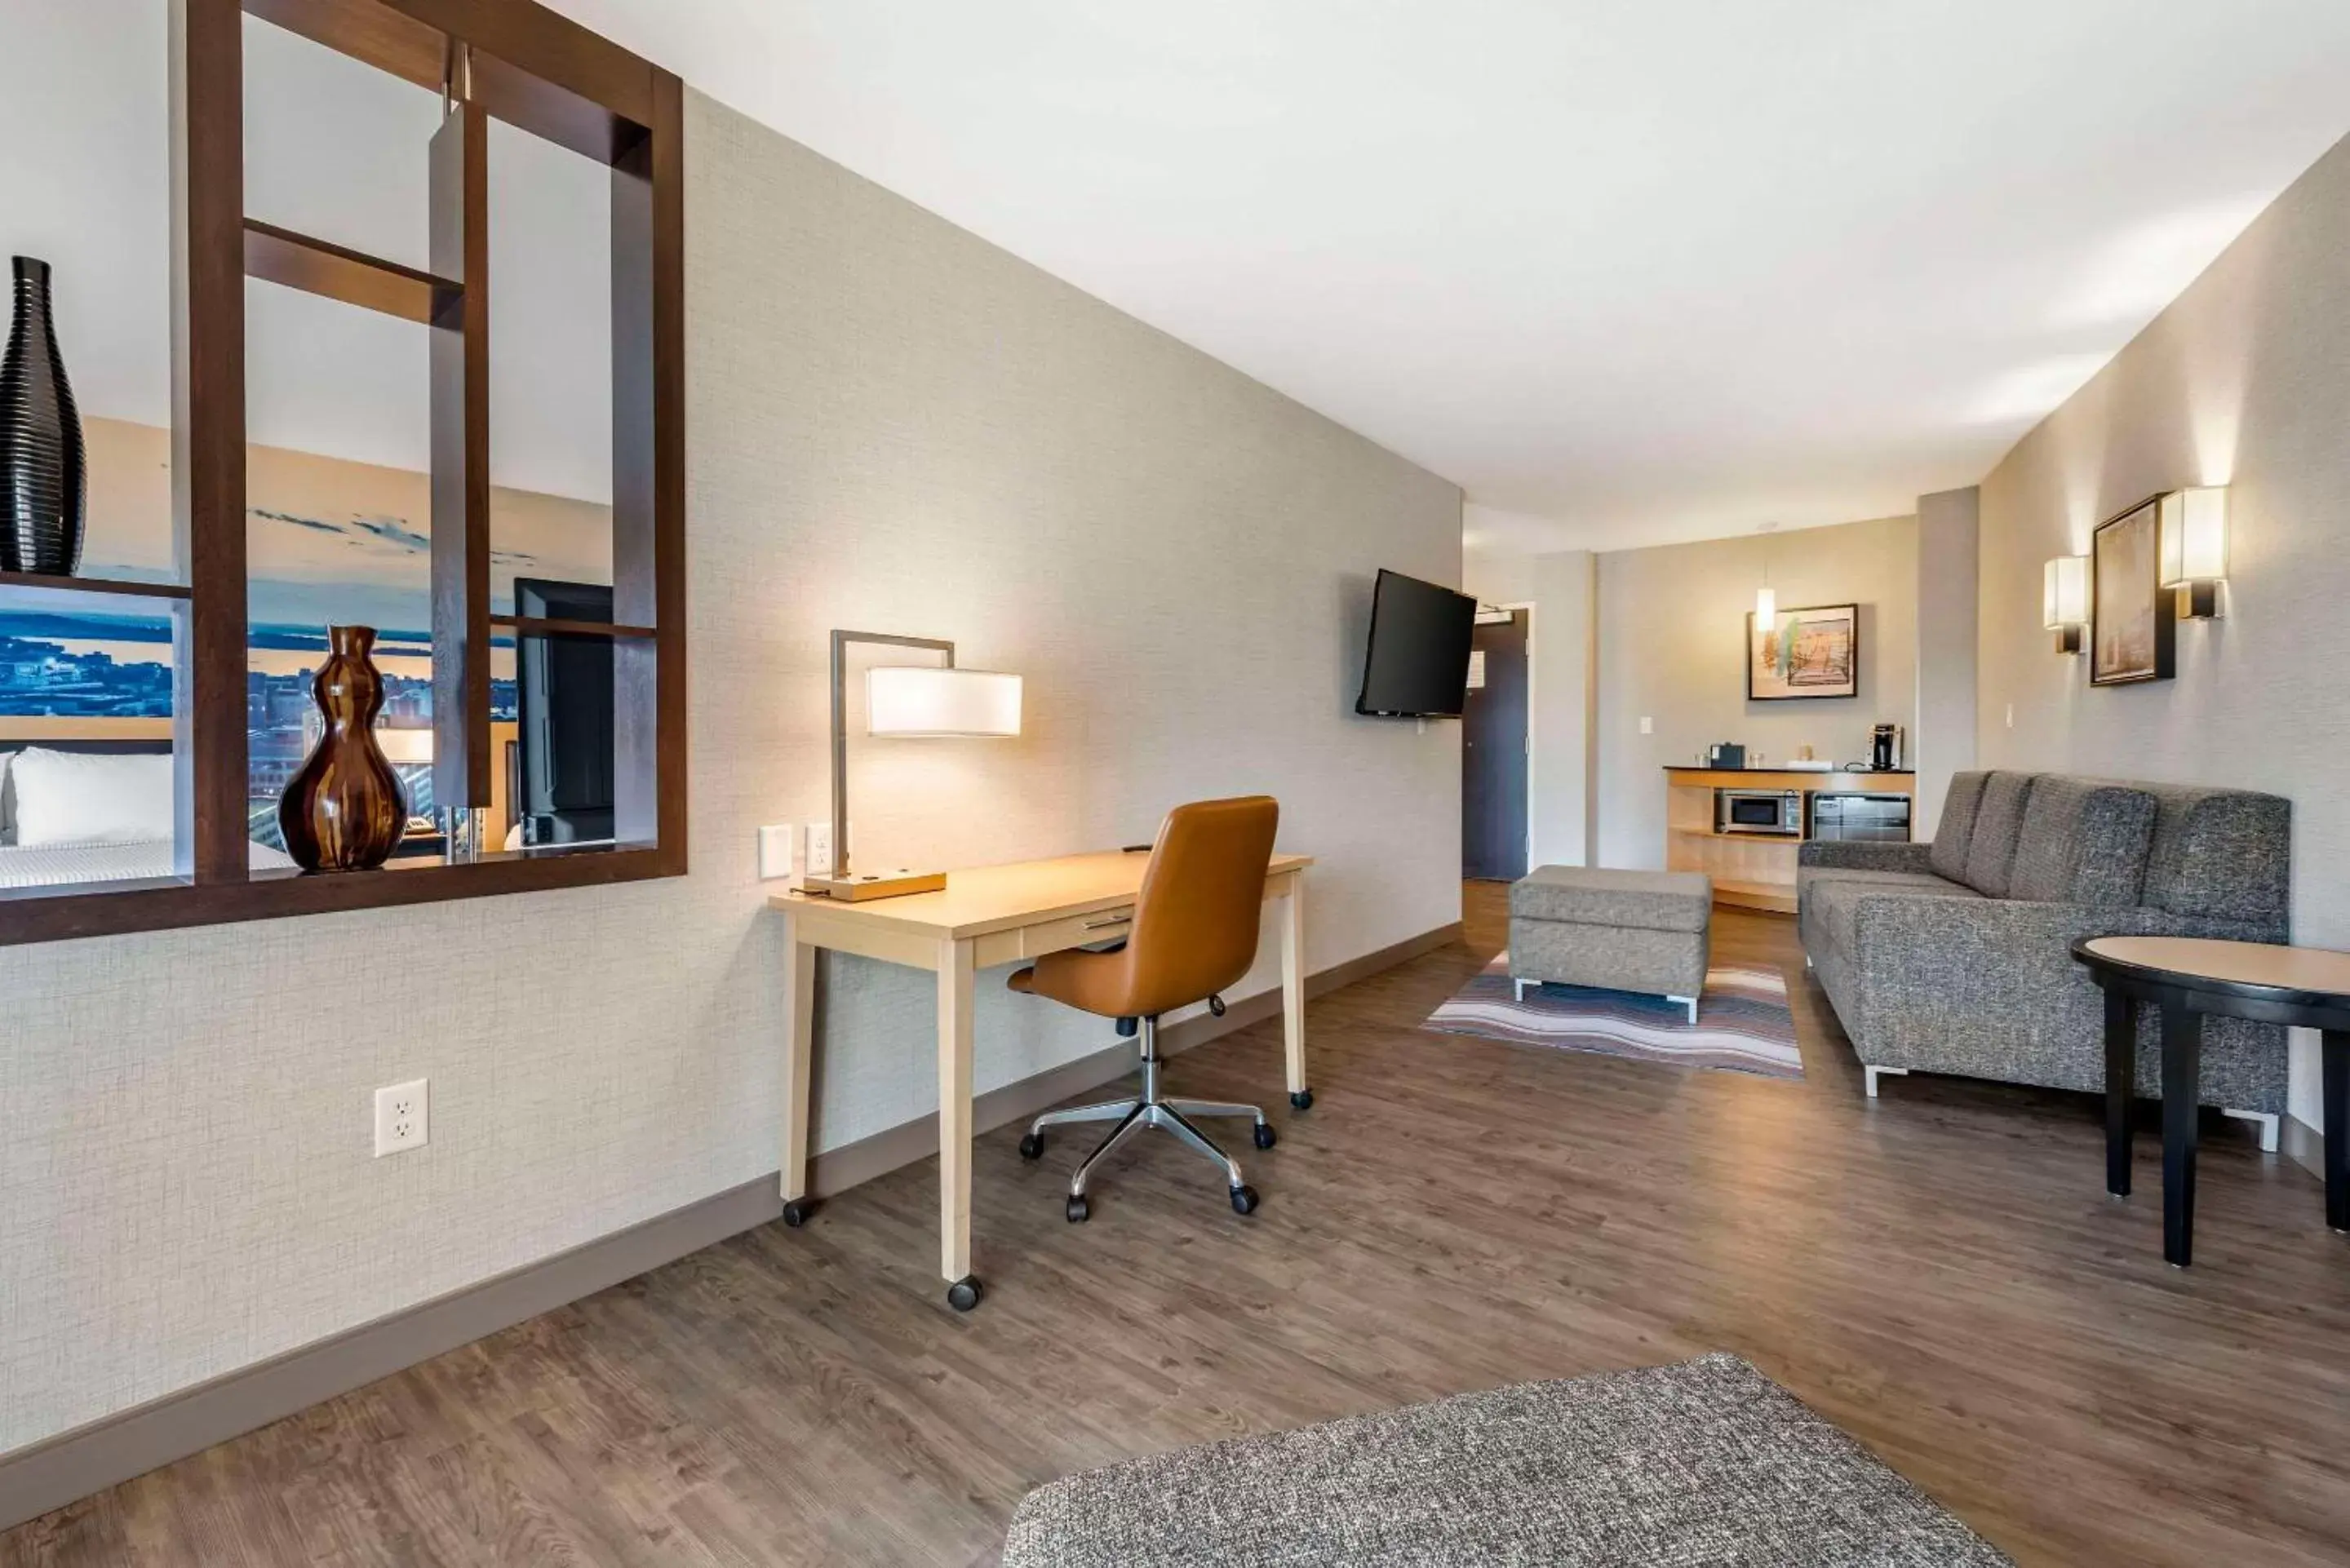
1802 653
2132 624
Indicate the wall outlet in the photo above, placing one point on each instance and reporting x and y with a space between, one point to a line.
401 1118
819 849
778 847
2011 715
1647 726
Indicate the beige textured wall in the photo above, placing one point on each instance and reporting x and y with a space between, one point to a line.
894 426
1672 629
1949 549
2243 380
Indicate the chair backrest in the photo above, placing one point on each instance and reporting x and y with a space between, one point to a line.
1195 921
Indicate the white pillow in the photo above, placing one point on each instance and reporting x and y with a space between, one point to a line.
72 797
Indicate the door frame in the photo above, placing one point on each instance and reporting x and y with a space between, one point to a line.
1533 694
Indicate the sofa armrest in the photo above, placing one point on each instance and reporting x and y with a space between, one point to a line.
1862 856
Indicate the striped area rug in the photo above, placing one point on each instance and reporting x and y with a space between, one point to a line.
1744 1024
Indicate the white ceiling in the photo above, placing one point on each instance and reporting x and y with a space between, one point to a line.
1626 270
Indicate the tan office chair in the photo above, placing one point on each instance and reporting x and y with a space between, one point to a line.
1194 933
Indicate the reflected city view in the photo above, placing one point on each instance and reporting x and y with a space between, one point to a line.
75 666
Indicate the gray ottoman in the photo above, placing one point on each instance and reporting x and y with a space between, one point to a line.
1626 930
1708 1462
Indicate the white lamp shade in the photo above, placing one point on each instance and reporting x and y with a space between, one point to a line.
401 745
1766 607
2194 536
2064 593
923 701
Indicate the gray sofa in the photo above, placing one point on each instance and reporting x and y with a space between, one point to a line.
1954 957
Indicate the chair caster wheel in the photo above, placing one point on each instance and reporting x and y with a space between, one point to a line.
1078 1210
1032 1146
965 1292
1265 1135
796 1211
1243 1199
1303 1099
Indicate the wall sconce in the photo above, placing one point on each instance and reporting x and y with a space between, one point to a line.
2194 549
2064 600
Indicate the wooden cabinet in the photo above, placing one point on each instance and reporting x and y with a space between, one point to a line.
1751 870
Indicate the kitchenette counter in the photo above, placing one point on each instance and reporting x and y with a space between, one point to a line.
1796 772
1754 870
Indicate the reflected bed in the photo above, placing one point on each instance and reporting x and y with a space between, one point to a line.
103 816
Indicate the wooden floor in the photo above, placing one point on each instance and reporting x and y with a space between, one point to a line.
1939 1272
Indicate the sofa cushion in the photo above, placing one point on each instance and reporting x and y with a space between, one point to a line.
2222 855
1956 831
1645 901
1999 823
2084 842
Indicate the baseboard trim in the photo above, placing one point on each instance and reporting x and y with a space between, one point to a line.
2304 1145
62 1469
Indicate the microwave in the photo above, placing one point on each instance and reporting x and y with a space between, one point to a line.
1778 812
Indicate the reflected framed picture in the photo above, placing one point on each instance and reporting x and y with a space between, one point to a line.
1802 653
2132 624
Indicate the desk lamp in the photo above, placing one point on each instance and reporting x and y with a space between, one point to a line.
912 702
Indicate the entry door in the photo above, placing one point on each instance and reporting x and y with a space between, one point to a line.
1493 754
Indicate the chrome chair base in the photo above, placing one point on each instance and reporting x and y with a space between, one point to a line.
1151 1109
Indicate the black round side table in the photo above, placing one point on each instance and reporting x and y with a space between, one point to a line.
2191 978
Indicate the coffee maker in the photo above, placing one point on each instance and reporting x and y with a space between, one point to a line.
1885 749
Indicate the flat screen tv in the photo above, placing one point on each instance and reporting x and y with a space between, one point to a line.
1417 665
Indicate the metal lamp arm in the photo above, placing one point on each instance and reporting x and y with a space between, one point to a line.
841 641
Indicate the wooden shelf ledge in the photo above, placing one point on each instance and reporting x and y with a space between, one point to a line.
540 626
115 585
336 272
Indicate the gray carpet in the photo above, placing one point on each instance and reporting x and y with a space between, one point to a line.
1707 1462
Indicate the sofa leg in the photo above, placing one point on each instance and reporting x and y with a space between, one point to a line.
1518 988
1688 1001
1873 1071
2268 1125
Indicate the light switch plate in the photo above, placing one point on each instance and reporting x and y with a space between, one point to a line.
1647 726
778 847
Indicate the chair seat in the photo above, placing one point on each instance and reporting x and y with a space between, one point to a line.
1082 978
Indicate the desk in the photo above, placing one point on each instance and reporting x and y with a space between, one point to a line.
997 915
2190 978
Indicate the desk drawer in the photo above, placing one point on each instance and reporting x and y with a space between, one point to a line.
1053 936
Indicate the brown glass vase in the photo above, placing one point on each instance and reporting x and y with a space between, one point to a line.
343 810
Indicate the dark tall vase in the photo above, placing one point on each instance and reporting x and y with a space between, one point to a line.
43 476
343 810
